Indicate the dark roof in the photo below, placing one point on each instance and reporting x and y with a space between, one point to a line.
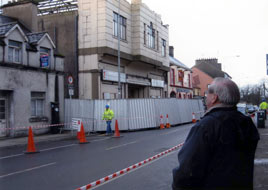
35 37
176 62
210 70
4 28
8 20
31 47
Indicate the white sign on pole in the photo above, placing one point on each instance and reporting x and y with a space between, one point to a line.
76 124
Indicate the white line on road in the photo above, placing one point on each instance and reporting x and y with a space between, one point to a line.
121 145
47 149
27 170
171 132
99 140
11 156
57 147
263 161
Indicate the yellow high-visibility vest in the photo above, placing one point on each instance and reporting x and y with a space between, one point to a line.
263 106
108 115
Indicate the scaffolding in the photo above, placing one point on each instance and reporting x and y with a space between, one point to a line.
56 6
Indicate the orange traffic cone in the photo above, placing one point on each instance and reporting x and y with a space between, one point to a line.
193 120
31 147
82 136
167 123
162 126
117 133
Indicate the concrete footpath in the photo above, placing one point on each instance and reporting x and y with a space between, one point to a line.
261 160
261 156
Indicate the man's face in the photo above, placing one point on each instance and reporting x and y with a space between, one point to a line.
211 99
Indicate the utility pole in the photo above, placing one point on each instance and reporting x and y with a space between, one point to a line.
118 51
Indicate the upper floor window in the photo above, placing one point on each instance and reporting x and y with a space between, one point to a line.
144 34
163 48
189 81
122 26
172 76
14 51
151 36
180 76
37 103
44 57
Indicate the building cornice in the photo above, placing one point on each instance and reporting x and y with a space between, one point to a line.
126 56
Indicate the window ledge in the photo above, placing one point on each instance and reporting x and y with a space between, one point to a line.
155 50
122 40
34 119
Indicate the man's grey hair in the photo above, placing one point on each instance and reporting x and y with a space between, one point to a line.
226 90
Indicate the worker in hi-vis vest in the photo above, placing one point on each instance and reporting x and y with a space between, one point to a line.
108 115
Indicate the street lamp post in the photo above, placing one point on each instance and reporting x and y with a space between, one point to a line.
118 51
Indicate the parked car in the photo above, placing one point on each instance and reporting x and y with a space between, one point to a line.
251 109
242 108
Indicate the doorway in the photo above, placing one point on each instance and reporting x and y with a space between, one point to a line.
136 91
3 117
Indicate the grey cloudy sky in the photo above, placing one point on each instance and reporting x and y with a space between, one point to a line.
221 29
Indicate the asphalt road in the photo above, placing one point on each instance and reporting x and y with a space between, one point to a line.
68 165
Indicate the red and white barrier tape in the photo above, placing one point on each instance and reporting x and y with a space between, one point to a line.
124 171
34 127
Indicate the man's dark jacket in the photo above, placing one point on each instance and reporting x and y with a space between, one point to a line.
218 153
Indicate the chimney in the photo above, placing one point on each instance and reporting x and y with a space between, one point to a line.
171 51
24 11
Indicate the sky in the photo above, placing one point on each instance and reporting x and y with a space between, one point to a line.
234 31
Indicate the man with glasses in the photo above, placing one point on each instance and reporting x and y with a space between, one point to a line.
219 152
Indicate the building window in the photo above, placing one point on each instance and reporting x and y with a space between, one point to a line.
123 26
189 78
157 40
151 36
144 33
37 103
44 57
163 49
180 76
14 51
172 77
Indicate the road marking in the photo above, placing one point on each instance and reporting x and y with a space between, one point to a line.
99 140
27 170
263 161
15 155
47 149
121 145
171 132
57 147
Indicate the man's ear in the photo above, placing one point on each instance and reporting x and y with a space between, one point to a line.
214 99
